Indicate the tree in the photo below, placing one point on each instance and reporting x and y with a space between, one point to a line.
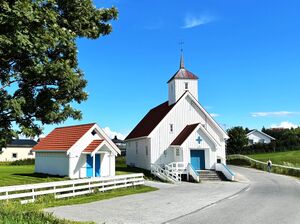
39 74
237 140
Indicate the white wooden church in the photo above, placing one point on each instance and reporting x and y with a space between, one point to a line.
178 136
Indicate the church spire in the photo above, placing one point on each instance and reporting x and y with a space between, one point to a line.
181 60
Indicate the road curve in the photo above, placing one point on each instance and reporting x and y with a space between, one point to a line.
270 199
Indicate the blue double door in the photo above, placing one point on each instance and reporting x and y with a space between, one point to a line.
198 159
89 165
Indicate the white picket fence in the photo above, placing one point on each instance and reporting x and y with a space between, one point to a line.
69 188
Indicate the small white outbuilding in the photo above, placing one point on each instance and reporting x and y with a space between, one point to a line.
77 152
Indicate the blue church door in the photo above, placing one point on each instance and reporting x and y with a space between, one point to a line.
89 165
198 159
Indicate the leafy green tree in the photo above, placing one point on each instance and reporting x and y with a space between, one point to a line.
39 75
237 140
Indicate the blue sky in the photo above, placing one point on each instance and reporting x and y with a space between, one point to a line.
245 53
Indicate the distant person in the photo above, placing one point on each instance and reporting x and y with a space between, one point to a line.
269 165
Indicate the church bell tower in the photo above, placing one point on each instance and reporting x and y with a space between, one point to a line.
182 81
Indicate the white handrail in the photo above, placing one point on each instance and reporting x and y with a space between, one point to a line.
193 173
225 170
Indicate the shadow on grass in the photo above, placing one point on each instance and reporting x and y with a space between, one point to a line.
39 175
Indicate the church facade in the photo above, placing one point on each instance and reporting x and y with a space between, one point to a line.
178 131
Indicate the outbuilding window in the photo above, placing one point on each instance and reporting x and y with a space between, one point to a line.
14 155
147 151
177 152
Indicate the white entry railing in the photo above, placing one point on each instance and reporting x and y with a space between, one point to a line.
193 173
225 170
69 188
162 173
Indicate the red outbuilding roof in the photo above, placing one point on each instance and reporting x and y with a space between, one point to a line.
93 145
63 138
150 121
184 134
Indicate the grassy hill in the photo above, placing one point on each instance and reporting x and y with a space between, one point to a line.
289 158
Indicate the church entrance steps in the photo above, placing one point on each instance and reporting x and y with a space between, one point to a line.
209 175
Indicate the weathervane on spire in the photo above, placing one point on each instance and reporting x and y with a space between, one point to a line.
181 57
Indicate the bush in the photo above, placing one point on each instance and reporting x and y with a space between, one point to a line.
22 162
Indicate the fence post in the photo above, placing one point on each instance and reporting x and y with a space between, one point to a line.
73 190
6 193
54 188
33 197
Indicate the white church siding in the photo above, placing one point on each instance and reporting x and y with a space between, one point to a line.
136 154
180 115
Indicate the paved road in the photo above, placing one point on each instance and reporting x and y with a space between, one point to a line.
171 201
270 199
263 198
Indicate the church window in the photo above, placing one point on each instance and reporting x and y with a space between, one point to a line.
147 151
186 85
177 152
171 128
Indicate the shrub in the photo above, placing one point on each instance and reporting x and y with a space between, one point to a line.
22 162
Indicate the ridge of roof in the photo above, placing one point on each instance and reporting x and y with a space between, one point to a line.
183 73
265 134
184 134
63 138
75 125
22 143
93 145
150 121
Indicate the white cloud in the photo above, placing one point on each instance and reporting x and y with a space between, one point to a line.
215 115
112 133
274 114
191 21
285 124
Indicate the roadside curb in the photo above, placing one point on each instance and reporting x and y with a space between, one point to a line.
211 204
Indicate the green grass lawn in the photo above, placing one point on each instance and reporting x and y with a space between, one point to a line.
24 174
13 212
15 175
289 158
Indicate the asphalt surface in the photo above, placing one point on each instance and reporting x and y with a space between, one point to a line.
270 199
259 197
171 201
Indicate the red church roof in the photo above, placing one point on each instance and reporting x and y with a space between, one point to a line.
182 73
63 138
93 145
184 134
150 121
